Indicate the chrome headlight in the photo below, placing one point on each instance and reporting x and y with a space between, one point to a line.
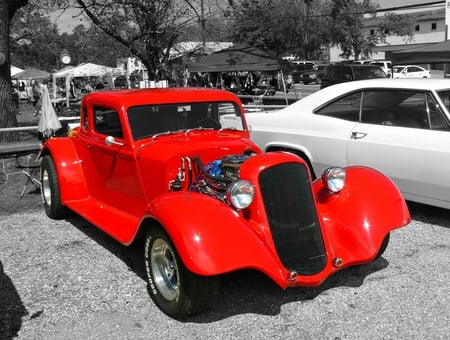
240 194
334 178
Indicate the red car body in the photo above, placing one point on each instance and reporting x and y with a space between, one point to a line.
168 180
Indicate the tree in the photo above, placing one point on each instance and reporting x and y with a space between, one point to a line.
35 41
281 26
149 29
347 28
92 45
8 9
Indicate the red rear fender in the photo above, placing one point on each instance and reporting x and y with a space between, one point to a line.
70 175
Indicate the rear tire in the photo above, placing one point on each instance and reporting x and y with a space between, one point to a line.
50 191
178 292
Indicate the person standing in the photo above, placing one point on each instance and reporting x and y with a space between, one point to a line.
36 96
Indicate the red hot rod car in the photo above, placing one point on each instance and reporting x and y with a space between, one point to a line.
177 168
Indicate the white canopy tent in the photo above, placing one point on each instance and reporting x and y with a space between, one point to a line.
15 70
83 70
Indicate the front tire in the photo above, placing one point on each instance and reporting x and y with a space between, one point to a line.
383 246
50 191
178 292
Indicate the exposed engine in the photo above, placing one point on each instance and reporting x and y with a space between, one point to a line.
212 178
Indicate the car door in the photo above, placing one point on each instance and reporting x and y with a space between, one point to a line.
412 150
113 175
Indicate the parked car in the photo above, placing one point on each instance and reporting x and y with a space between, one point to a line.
401 128
385 65
313 76
410 71
299 67
339 73
176 168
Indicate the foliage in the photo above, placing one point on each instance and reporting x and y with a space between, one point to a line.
91 45
148 29
8 9
36 42
348 32
281 26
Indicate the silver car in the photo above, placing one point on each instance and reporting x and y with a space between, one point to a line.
399 126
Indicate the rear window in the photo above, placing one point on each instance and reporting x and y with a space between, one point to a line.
368 72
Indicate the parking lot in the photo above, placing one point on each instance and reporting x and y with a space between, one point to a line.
65 279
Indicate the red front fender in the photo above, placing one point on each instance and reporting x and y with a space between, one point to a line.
212 238
357 219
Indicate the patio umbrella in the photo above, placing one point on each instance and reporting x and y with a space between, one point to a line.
48 121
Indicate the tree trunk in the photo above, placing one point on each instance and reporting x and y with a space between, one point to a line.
7 109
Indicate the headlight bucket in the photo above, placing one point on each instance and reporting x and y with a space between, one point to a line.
240 194
334 178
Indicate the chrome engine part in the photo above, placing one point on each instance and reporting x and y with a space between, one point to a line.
216 176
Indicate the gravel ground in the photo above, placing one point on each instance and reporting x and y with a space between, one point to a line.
67 280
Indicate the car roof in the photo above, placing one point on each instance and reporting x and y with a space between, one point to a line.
134 97
334 91
407 66
354 65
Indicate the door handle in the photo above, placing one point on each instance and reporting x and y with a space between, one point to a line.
358 135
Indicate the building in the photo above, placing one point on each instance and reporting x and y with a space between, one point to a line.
429 26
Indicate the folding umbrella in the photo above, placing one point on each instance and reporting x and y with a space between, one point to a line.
48 121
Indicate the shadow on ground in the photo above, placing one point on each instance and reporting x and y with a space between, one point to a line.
241 292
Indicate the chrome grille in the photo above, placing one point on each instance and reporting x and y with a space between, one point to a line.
292 217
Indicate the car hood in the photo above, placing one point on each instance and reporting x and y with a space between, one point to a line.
159 159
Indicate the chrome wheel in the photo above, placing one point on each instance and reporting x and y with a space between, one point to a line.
165 270
50 190
46 189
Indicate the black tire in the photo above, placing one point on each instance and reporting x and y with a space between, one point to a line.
383 246
50 191
178 292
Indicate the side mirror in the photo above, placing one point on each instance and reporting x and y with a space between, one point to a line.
110 140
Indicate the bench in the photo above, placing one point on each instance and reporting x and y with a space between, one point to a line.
16 150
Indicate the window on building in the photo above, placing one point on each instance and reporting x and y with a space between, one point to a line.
433 26
417 28
372 32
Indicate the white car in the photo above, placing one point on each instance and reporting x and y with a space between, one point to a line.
385 65
401 128
410 71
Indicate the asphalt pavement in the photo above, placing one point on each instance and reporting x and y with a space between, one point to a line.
68 280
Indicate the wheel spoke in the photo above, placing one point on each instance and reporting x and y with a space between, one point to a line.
164 268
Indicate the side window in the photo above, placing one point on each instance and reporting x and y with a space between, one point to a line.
437 119
107 122
396 108
343 73
346 108
85 119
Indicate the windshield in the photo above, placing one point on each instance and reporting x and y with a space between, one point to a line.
148 120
